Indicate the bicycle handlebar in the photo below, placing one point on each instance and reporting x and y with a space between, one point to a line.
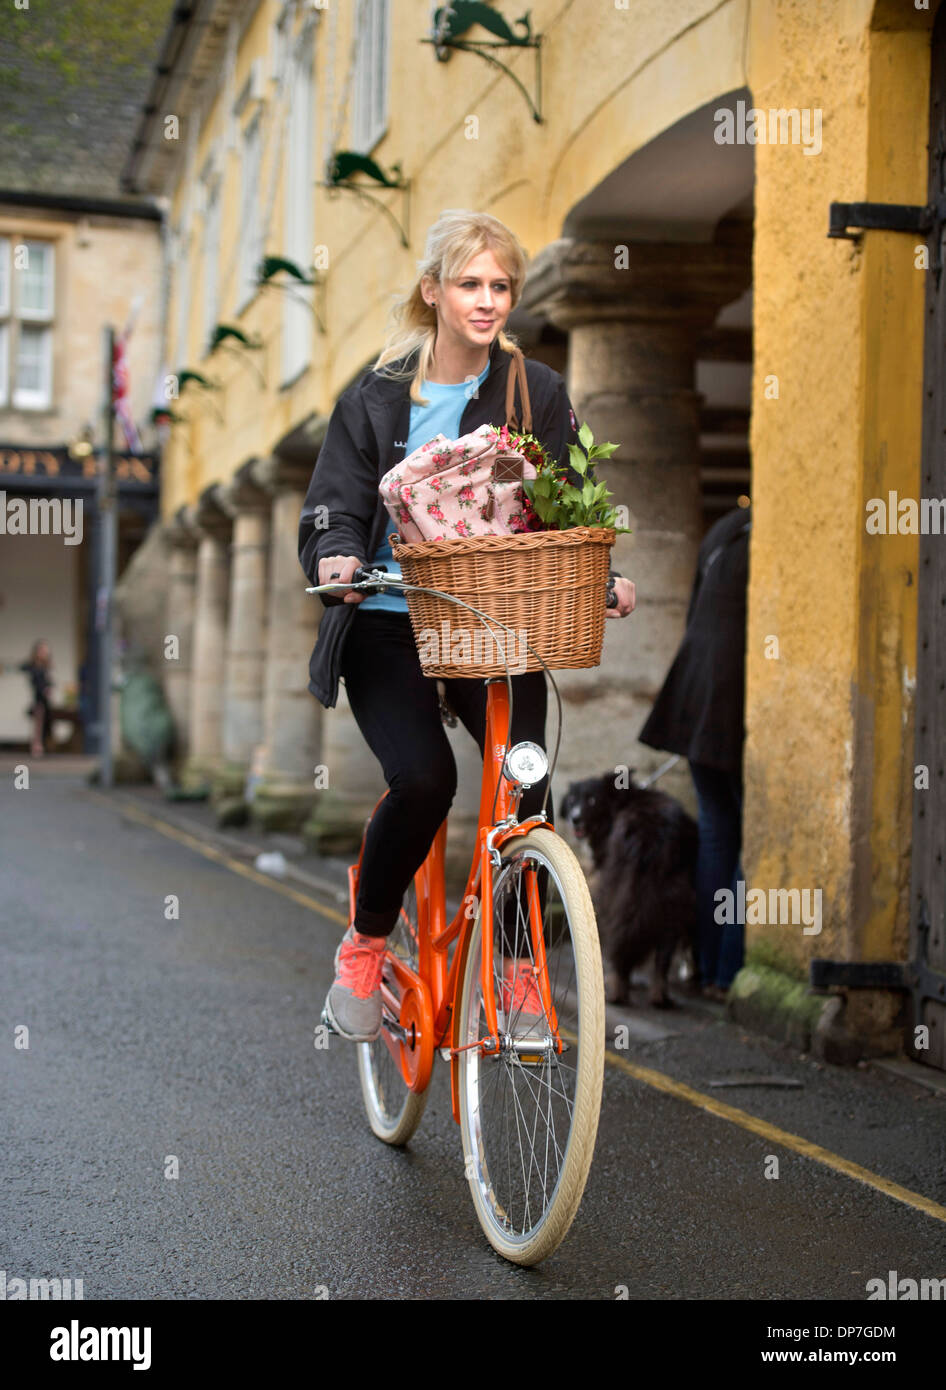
362 577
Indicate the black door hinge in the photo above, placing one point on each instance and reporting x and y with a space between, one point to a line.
825 975
877 217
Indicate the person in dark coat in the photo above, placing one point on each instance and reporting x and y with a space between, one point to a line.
38 671
699 714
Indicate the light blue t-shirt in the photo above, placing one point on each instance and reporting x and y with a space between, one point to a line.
441 416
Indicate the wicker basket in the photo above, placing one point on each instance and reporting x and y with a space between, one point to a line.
549 586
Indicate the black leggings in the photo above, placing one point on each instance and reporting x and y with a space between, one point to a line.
396 708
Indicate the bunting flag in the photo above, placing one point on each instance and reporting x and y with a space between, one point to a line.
120 382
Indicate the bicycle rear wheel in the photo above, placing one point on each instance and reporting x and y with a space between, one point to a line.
394 1110
529 1115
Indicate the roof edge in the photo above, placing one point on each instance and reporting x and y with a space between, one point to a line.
67 202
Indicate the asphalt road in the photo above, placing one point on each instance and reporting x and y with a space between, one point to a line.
193 1038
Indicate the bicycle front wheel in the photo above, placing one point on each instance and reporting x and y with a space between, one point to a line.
394 1110
529 1113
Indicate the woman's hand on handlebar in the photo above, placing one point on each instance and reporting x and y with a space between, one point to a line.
339 569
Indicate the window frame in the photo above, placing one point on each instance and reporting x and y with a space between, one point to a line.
370 116
182 316
6 316
212 184
298 211
41 321
250 211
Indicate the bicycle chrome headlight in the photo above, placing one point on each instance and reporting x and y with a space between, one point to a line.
526 764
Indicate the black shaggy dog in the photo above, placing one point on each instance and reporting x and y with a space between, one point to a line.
643 845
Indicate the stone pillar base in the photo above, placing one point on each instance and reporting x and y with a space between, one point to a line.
198 773
336 824
228 793
837 1029
280 806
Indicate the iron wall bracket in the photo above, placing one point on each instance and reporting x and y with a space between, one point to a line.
825 975
877 217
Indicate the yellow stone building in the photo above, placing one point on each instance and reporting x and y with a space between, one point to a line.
77 254
671 170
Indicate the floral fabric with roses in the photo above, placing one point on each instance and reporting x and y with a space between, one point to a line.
470 486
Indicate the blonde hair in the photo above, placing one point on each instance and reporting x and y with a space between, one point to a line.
452 242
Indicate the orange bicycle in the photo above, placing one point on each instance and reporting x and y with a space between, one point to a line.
526 1064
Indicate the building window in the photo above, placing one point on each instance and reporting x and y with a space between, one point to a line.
212 198
182 302
370 94
27 302
250 219
279 46
300 174
4 319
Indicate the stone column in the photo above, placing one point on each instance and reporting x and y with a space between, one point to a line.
634 315
210 633
284 771
177 670
249 507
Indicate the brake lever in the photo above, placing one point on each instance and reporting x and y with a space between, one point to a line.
361 574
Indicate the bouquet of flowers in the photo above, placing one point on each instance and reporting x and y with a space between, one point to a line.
551 502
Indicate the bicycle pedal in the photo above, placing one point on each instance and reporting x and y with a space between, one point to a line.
327 1023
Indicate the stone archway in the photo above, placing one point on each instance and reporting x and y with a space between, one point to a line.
650 259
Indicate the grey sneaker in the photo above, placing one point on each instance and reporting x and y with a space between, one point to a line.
353 1004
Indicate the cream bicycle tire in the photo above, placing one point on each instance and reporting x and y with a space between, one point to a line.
483 1158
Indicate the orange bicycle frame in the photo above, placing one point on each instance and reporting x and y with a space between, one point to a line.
427 1012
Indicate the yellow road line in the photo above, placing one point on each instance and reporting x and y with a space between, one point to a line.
220 857
657 1079
682 1091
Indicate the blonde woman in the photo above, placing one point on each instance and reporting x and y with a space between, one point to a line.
443 371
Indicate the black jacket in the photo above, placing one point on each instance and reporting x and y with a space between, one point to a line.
367 435
699 712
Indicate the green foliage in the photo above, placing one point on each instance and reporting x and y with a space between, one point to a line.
559 503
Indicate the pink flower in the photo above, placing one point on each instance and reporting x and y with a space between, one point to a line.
462 528
433 510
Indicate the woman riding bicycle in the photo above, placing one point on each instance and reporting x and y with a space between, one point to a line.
443 371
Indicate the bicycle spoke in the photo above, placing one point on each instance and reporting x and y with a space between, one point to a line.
529 1110
525 1110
